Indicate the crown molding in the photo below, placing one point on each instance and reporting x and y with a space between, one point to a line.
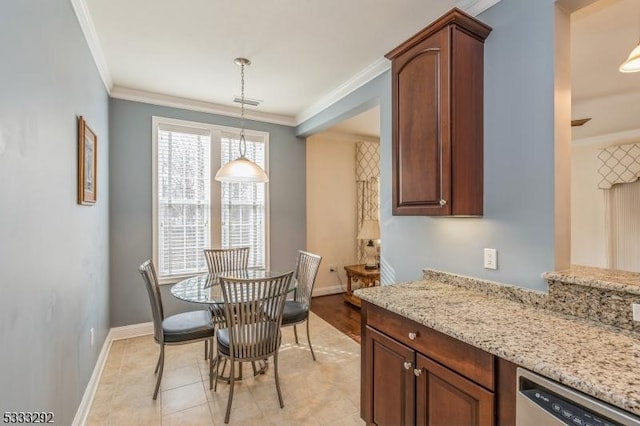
475 7
90 34
190 104
617 138
355 82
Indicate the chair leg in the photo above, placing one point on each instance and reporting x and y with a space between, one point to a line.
215 377
211 364
206 349
309 340
295 333
158 363
230 400
275 373
161 364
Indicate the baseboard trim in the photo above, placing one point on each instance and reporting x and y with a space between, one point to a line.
90 391
325 291
116 333
133 330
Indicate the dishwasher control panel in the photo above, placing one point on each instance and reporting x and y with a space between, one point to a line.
542 401
565 411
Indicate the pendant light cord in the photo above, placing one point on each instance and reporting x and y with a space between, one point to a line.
243 142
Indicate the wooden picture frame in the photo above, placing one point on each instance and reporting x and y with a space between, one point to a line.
87 164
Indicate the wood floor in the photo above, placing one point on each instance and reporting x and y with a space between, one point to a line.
340 314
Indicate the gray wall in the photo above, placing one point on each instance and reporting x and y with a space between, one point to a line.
53 252
518 216
131 211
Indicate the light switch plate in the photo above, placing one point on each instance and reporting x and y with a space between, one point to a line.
636 311
490 258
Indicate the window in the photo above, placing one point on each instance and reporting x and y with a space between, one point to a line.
193 212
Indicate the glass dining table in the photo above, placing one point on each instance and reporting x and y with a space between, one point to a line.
206 289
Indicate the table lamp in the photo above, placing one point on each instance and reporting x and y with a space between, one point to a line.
370 230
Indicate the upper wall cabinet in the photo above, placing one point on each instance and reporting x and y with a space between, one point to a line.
437 118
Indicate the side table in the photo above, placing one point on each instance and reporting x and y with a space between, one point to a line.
368 277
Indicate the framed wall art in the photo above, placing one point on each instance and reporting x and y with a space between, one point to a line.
87 164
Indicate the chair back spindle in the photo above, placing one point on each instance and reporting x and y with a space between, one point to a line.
253 309
307 265
231 259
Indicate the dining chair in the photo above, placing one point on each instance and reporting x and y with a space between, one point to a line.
187 327
222 260
296 311
253 310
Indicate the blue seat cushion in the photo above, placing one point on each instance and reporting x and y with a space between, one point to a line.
294 312
188 326
248 337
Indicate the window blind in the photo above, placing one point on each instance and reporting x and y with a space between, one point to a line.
184 199
243 205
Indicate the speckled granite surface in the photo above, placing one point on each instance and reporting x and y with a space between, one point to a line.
602 295
606 279
599 360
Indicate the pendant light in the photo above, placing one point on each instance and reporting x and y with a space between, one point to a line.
241 169
632 64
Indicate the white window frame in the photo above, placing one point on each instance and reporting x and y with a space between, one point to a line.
215 138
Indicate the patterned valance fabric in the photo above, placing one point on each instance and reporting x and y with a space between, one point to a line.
618 164
367 160
368 186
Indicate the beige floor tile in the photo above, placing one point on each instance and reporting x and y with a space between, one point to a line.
184 397
196 416
315 393
185 375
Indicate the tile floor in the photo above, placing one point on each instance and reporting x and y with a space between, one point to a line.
325 392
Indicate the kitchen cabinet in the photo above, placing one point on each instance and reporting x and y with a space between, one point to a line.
412 374
437 120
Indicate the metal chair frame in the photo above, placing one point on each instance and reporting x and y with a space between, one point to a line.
148 272
253 310
307 266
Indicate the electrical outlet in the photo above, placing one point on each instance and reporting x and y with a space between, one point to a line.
332 268
490 258
92 335
636 311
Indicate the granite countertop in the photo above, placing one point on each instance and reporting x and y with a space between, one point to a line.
607 279
599 360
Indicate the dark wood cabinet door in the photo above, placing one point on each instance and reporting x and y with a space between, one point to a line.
422 149
389 388
445 398
437 133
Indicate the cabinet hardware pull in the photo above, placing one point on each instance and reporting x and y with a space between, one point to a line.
407 365
417 372
412 336
443 202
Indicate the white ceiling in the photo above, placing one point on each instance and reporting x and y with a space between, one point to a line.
302 52
307 54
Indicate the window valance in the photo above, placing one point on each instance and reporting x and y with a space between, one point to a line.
618 164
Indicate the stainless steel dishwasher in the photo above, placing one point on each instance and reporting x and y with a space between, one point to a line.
542 402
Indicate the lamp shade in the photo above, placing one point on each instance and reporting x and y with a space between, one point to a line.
632 64
370 230
241 170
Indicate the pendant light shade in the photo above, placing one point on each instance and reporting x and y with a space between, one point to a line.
242 169
632 64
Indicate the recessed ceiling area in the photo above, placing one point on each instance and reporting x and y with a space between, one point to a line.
364 124
602 36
